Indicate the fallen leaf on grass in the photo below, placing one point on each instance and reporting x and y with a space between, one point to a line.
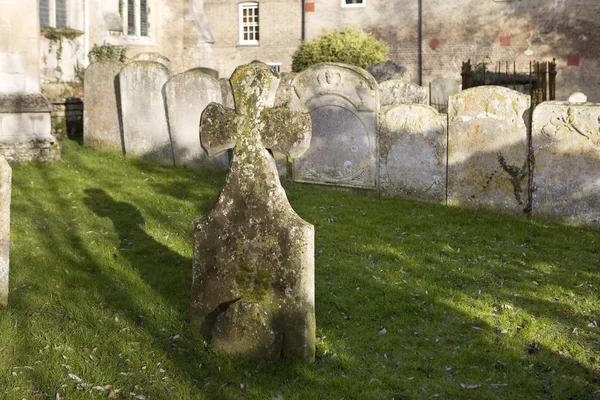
472 386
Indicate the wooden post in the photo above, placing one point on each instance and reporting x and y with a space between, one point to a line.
467 75
552 79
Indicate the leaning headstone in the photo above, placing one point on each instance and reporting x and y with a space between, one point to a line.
101 129
566 146
187 95
384 71
398 91
440 90
154 57
5 189
253 281
343 101
487 149
412 149
145 129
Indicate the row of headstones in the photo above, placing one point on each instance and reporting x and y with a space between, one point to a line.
141 110
485 153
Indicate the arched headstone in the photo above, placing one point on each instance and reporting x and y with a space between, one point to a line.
152 56
343 101
145 129
412 152
187 95
101 128
566 146
487 149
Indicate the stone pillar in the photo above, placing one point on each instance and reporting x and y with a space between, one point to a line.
5 186
24 112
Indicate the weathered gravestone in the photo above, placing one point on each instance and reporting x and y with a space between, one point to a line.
187 95
412 152
440 90
398 91
488 150
101 128
343 101
5 189
566 145
145 129
153 57
253 283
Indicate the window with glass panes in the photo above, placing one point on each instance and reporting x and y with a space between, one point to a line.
249 31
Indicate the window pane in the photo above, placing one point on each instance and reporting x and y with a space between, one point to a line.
130 17
144 17
44 13
61 13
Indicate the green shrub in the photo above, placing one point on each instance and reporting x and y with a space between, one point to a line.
350 46
107 52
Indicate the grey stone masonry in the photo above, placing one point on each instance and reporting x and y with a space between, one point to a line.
253 274
5 190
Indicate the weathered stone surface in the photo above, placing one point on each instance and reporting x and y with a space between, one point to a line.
226 93
253 283
412 148
187 95
153 57
343 102
488 150
145 129
101 128
440 90
398 91
5 190
566 145
384 71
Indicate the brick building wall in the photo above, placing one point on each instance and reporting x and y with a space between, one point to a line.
280 24
482 30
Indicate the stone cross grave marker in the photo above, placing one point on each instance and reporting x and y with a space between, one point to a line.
253 280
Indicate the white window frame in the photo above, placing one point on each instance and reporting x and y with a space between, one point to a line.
137 16
249 6
346 5
275 65
52 14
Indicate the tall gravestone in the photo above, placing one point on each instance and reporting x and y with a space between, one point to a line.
343 101
101 126
187 95
25 125
145 128
253 281
412 152
5 190
488 149
566 146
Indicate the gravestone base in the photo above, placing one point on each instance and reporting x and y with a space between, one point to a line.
25 128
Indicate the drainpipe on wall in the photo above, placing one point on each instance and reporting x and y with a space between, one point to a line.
421 42
303 35
86 31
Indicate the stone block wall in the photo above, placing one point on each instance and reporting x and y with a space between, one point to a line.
67 117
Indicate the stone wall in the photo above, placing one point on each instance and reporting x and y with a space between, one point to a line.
67 117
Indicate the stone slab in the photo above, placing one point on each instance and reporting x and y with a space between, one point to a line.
387 70
412 149
397 91
440 90
101 126
152 56
5 191
566 146
187 95
488 149
343 101
145 128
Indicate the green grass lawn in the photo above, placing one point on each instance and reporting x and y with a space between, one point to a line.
413 300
